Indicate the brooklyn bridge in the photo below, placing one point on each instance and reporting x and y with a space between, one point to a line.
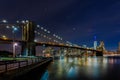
29 36
34 35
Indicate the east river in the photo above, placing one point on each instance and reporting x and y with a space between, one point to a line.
78 68
85 68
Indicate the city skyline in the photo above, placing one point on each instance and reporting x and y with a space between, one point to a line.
74 20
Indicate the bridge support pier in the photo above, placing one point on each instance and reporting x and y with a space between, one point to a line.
28 49
28 35
86 53
63 51
78 52
99 53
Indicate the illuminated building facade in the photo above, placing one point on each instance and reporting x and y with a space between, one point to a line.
118 52
95 43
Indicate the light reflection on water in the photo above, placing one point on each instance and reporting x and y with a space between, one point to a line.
85 68
45 76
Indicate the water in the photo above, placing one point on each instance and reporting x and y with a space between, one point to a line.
85 68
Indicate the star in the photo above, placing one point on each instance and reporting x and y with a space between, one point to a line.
74 29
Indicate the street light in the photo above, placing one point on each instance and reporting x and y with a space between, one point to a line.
35 40
14 44
44 50
14 52
4 37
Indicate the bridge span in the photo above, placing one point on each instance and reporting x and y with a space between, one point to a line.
28 43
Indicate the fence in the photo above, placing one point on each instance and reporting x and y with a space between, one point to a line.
13 64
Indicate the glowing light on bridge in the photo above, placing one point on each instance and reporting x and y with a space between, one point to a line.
48 31
50 38
38 26
7 27
23 21
45 30
18 21
15 29
42 28
38 33
35 31
27 20
54 35
44 36
4 21
35 40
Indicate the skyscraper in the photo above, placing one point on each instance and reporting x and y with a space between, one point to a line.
95 43
118 51
119 47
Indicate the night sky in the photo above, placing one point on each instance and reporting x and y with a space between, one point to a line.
75 20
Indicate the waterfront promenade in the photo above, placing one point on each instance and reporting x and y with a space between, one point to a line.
13 67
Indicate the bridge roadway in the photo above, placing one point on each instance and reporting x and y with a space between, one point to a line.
9 41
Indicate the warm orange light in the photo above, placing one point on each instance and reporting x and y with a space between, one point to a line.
47 55
4 37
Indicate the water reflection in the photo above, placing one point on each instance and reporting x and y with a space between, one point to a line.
45 76
85 68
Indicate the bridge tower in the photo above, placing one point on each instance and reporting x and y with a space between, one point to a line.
101 46
101 49
28 35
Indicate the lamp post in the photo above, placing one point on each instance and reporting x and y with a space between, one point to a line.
43 50
14 44
14 52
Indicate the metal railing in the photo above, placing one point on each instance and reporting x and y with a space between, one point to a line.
6 66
